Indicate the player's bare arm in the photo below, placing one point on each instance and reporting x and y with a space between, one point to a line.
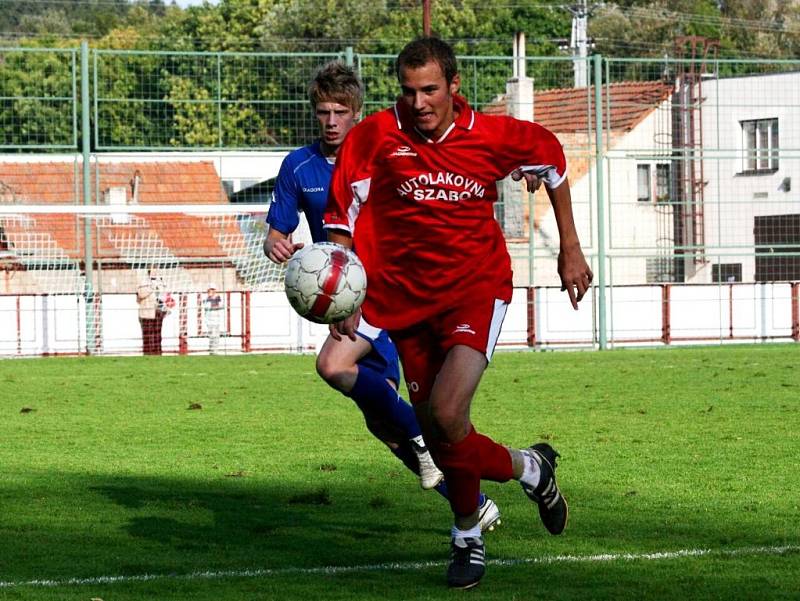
349 325
279 247
574 271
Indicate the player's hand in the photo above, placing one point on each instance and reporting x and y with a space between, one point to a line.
281 251
346 327
576 276
532 181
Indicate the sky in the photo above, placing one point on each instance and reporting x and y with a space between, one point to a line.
186 3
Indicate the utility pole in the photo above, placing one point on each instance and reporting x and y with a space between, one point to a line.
579 43
426 17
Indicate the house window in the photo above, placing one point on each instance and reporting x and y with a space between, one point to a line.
662 182
726 272
760 140
643 183
777 239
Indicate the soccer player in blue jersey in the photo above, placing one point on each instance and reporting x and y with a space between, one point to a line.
364 367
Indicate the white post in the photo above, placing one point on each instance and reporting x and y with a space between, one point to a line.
519 104
579 43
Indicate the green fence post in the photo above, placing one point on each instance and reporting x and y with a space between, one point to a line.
348 56
87 196
219 100
601 211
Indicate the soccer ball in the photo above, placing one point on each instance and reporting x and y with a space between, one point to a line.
325 282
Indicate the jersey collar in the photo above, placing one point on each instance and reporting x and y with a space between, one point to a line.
465 118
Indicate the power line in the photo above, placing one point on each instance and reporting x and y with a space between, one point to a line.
667 15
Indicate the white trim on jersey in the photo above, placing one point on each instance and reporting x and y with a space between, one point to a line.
360 190
303 163
360 193
498 315
471 120
397 117
423 136
445 134
441 138
337 226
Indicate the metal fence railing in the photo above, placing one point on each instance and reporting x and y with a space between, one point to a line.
196 101
684 171
38 99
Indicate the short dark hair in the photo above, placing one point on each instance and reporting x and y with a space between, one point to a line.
336 82
423 50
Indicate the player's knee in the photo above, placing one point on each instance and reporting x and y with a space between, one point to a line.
450 422
327 369
334 373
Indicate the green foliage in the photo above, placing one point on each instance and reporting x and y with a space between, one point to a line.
67 18
742 28
37 91
237 100
192 113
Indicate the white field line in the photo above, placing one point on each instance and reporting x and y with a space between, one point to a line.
406 566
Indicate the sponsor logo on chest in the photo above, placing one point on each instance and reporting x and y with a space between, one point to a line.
440 185
403 151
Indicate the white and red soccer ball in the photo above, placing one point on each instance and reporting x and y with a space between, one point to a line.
325 282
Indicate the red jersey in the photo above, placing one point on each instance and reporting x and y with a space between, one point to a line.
421 211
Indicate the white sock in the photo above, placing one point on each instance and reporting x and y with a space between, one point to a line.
531 472
418 444
474 532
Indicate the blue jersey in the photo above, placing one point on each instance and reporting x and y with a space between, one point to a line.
302 185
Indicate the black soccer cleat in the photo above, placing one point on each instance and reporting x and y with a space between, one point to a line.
467 562
553 508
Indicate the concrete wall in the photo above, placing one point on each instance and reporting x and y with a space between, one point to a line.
732 199
55 324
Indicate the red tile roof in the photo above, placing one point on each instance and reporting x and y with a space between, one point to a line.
569 113
159 183
571 110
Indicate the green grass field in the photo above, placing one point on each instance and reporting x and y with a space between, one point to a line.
680 466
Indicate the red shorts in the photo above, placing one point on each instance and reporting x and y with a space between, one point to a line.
424 346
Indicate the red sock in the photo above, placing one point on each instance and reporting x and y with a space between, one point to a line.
464 463
495 459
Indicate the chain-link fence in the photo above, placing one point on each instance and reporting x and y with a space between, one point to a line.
683 170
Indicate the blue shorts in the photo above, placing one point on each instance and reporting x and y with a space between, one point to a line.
383 356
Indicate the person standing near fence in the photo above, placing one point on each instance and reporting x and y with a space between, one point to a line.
213 314
413 192
151 312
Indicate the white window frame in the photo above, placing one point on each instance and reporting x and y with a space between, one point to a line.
640 184
760 141
663 192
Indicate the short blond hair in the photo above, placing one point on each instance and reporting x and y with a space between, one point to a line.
336 82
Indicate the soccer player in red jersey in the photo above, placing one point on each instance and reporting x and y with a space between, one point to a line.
366 368
412 192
